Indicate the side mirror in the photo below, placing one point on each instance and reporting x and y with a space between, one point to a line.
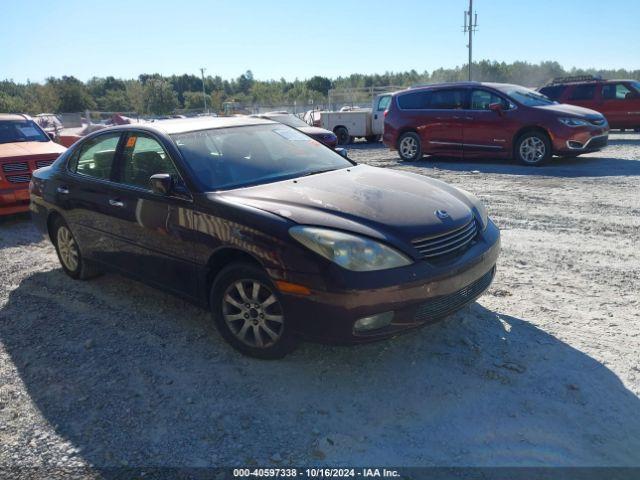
161 183
342 152
496 107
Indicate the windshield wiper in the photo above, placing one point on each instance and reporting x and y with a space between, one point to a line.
315 172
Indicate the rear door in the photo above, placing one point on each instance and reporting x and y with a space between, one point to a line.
442 131
486 131
621 105
150 227
83 193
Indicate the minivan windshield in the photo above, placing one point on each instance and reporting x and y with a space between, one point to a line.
21 131
225 158
529 98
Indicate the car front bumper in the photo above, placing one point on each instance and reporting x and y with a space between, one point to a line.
14 200
418 294
581 140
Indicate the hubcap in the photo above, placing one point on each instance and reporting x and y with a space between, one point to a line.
408 147
253 313
68 248
532 150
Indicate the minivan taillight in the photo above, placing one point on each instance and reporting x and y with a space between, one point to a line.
385 113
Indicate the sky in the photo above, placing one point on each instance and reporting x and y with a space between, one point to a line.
302 38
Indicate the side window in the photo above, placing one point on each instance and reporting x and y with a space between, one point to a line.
481 99
583 92
616 91
95 157
143 157
383 103
414 100
553 93
453 99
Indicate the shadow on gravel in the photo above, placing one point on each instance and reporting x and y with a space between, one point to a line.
132 376
557 167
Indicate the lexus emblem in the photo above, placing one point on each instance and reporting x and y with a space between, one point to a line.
442 214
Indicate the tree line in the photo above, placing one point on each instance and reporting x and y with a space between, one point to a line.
157 94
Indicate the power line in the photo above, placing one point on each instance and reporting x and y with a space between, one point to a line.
470 27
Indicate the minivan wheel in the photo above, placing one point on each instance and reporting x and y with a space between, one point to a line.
69 252
248 312
409 147
533 148
343 135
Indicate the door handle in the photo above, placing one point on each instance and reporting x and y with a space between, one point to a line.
116 203
375 117
63 190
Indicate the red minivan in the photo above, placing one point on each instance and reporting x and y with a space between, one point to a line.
617 100
493 120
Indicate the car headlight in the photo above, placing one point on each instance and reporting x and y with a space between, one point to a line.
352 252
574 122
479 210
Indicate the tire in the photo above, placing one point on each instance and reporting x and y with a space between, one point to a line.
372 138
343 136
409 147
69 253
533 148
252 321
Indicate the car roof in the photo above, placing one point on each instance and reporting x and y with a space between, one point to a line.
14 116
495 85
183 125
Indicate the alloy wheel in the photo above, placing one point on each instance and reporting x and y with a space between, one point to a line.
68 248
253 313
532 150
408 147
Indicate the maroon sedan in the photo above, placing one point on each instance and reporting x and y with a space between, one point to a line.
493 120
323 136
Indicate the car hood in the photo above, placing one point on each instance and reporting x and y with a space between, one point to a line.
26 149
372 201
571 110
315 131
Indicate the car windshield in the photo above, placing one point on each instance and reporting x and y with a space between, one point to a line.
636 85
236 157
21 131
290 120
529 98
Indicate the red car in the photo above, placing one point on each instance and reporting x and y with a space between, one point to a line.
617 100
24 147
493 120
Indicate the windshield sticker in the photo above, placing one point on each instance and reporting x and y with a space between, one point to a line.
291 134
29 131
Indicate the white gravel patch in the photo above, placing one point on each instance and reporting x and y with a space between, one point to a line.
543 370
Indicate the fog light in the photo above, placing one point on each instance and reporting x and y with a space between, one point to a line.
373 322
574 144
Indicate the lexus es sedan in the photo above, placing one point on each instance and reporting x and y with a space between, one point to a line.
279 236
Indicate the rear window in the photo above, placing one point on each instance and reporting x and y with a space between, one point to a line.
453 99
554 93
414 100
583 92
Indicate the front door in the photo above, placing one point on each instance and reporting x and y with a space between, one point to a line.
487 132
621 105
148 226
380 105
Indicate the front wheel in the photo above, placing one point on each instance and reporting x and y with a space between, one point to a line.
409 147
533 148
249 314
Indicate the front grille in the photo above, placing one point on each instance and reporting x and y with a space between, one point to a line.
44 163
19 178
449 242
15 167
447 304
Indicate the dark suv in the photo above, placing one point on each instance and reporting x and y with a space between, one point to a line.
489 120
617 100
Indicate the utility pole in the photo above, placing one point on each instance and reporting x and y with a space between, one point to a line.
204 94
470 26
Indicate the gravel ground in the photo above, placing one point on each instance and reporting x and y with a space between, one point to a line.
543 370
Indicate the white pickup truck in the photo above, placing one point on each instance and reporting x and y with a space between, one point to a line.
365 123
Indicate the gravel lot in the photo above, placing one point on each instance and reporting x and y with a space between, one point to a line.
543 370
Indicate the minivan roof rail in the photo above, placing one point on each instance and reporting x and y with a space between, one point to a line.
575 79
